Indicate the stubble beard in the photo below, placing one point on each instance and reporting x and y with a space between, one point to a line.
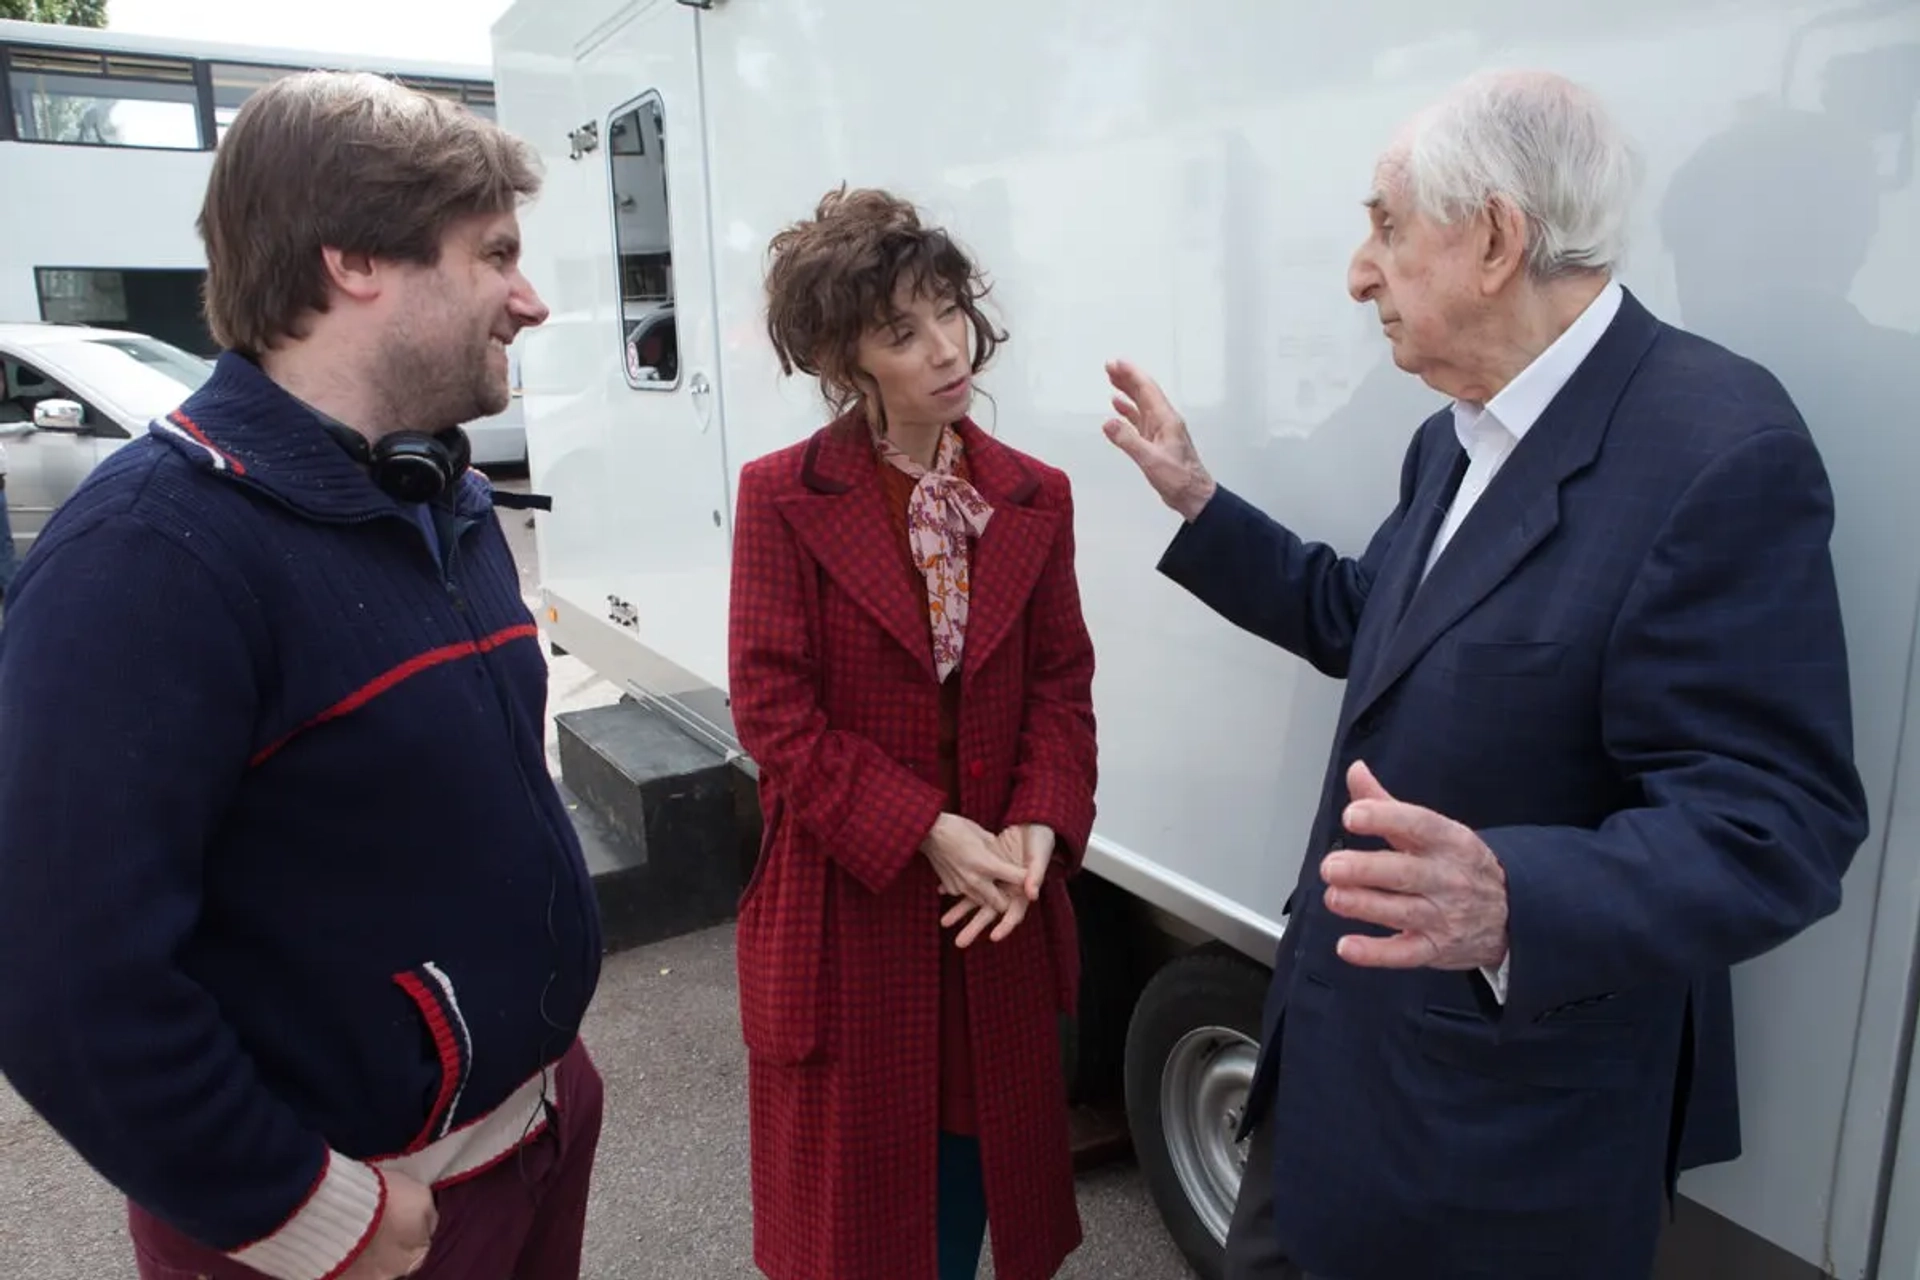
433 389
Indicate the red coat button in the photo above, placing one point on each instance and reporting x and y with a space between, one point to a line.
975 769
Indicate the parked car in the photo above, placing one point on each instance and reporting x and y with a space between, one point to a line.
84 392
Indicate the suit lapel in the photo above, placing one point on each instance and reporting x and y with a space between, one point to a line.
1516 513
1400 573
842 521
1009 558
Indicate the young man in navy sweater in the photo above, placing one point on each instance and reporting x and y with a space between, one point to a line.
295 934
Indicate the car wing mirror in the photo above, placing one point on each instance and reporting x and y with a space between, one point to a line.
59 415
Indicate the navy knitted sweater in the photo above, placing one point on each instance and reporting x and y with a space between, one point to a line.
287 896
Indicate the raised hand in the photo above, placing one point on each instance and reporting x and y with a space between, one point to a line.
1154 435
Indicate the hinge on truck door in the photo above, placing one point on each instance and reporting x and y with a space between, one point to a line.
584 139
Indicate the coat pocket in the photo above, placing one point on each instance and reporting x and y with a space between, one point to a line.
1507 657
433 996
780 952
1590 1053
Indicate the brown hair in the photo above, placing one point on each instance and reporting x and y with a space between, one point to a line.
834 277
348 161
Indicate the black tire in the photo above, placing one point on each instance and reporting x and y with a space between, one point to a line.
1195 1033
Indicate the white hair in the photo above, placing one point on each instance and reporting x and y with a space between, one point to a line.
1543 143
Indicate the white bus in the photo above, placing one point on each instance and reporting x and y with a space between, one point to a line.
105 147
1179 184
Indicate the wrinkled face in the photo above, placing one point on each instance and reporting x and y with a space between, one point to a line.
1424 279
918 360
445 359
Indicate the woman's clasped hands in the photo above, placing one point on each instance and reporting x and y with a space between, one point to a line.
995 877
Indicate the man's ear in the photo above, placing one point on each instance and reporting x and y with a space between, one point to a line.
1503 245
354 274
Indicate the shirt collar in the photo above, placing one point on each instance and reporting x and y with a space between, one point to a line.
1519 404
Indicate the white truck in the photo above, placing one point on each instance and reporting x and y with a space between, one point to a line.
1180 185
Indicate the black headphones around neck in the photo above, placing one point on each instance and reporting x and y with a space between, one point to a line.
409 466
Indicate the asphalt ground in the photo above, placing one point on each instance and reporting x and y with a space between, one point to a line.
670 1194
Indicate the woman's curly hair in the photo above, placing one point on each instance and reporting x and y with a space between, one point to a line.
832 278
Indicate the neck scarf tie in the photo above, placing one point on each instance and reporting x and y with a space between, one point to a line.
943 515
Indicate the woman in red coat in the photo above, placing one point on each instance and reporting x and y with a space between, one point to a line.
911 673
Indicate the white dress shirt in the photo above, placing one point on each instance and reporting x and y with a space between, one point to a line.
1490 432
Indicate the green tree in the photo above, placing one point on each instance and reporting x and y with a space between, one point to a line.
67 13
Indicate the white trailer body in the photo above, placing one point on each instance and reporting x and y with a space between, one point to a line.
1180 185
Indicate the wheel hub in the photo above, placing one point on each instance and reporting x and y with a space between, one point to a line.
1203 1097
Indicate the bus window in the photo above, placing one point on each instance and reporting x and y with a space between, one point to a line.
104 99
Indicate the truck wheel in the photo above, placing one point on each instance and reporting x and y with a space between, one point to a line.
1191 1052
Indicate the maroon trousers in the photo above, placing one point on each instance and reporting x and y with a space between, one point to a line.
522 1220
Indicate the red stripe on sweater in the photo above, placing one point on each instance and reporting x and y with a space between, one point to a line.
444 1044
192 428
405 671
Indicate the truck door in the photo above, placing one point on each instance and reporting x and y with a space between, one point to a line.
630 432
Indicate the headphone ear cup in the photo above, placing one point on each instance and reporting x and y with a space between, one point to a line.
459 451
411 466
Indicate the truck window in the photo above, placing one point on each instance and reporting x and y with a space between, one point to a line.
643 243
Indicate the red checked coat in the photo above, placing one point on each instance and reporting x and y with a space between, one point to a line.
835 699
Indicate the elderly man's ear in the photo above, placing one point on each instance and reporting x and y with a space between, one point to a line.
1503 252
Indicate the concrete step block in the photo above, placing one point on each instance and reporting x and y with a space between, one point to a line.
660 818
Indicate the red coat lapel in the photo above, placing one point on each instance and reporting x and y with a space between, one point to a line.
1011 553
841 520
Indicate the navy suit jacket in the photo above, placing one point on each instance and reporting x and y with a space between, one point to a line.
1627 673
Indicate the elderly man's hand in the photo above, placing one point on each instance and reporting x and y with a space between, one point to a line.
1154 436
1438 885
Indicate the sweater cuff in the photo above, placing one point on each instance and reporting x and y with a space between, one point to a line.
329 1231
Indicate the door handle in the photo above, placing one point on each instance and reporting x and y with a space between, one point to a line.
702 391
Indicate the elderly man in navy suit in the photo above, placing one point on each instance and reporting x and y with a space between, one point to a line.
1595 747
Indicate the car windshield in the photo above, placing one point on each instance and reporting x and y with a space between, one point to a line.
141 377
